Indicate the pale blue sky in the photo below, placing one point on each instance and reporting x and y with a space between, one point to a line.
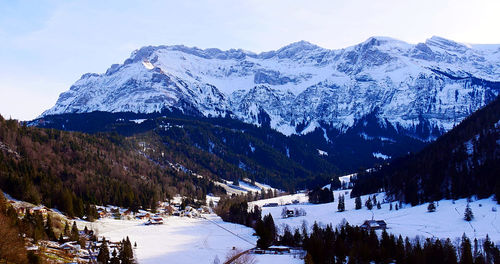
46 45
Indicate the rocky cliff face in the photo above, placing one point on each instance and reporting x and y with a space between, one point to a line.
302 87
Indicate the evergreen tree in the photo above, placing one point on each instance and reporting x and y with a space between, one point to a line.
379 206
357 203
468 215
297 238
66 229
491 252
478 256
369 204
103 257
431 207
75 236
49 230
126 253
114 258
465 251
390 207
341 205
449 253
287 237
266 230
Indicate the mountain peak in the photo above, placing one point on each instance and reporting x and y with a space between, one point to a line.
444 43
297 48
301 44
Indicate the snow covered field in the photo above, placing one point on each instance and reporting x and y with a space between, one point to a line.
446 222
188 240
180 239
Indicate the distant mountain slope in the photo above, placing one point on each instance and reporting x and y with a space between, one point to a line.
70 171
301 86
463 162
217 147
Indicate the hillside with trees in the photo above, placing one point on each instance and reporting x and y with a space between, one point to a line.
219 147
73 171
462 163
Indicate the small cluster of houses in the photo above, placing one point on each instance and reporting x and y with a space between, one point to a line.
164 209
277 204
67 251
23 210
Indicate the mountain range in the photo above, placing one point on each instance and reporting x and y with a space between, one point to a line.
322 112
301 87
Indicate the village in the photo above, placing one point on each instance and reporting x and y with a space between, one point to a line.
85 247
155 217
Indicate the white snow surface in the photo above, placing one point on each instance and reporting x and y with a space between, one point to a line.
379 155
243 187
322 152
299 84
179 239
138 121
446 222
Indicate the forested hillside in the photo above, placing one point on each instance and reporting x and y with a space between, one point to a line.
230 149
461 163
71 171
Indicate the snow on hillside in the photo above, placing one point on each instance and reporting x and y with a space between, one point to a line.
379 155
446 222
243 187
439 80
347 178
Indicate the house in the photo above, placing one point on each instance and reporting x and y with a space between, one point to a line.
39 209
143 216
102 214
270 205
21 210
155 221
295 201
168 210
274 250
290 213
374 225
70 247
127 212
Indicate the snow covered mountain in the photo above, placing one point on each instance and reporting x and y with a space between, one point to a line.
301 87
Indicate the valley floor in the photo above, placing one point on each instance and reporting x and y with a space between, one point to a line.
185 240
201 240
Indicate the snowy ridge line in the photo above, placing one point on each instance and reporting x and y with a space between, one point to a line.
300 84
